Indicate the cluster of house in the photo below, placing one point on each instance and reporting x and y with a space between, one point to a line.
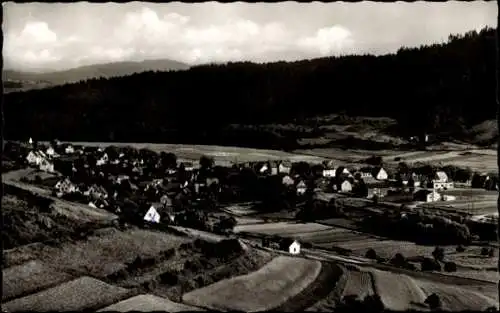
104 178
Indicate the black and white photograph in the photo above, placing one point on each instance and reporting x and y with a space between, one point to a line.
250 157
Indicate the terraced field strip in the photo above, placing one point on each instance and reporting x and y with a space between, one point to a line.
325 282
265 289
149 303
329 236
434 156
106 251
454 298
220 153
280 228
398 292
83 293
329 302
30 277
358 283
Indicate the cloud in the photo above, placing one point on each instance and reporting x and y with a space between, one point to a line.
144 34
64 36
329 40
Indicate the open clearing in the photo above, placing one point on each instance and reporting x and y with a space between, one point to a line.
84 293
457 299
397 291
149 303
29 277
265 289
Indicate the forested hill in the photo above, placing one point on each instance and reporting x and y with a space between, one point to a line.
437 88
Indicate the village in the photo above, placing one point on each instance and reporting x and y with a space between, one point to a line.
144 185
359 214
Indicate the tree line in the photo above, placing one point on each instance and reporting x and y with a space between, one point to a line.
441 88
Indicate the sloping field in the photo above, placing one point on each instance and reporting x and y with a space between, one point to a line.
326 281
79 294
267 288
219 153
280 228
332 237
359 283
397 291
149 303
239 210
102 253
329 302
457 299
248 220
29 277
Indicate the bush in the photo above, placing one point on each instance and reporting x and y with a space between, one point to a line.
169 278
460 248
433 301
371 254
428 265
491 252
409 266
450 267
485 251
398 260
438 254
38 180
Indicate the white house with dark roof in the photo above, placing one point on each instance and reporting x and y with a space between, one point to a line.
440 181
301 188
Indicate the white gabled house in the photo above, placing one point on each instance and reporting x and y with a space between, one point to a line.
301 188
51 153
346 186
330 172
102 160
287 180
379 173
46 166
294 248
441 181
34 158
152 215
65 186
285 167
264 168
69 150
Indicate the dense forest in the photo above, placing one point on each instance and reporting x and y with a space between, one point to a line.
438 88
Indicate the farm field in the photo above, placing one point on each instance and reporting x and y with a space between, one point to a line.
476 159
267 288
221 154
84 293
29 277
101 254
149 303
398 292
359 283
457 299
280 228
475 208
238 210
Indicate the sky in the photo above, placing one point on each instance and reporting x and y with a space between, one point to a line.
57 36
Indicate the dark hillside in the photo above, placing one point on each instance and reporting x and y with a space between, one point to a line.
439 88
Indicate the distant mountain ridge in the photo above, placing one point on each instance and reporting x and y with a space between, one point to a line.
18 80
